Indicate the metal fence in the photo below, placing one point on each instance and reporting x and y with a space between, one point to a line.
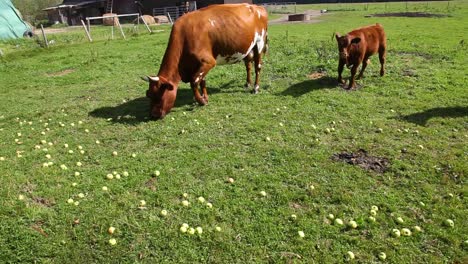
174 11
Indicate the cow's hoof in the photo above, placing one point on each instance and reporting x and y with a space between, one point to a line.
256 89
247 86
202 102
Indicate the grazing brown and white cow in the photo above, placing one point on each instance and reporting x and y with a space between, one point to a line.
357 46
200 40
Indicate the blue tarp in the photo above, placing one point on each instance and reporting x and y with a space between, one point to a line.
11 23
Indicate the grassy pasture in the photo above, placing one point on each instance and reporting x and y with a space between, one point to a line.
279 141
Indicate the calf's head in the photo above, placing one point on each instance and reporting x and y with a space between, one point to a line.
162 94
346 45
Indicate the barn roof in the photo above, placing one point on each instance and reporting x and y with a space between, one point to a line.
73 3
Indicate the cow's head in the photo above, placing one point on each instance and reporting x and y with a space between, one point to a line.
162 94
346 44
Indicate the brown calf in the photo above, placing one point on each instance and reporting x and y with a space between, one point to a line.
357 46
200 40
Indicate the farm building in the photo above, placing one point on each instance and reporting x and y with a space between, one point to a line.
72 11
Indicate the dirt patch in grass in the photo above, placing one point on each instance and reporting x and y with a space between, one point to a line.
408 14
43 201
363 160
60 73
409 73
38 227
317 75
416 54
151 184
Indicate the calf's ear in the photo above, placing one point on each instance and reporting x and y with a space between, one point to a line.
355 40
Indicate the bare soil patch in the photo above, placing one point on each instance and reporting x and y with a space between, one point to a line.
60 73
363 160
316 75
43 201
151 184
408 14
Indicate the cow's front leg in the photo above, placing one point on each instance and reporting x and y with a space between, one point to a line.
341 64
204 91
200 99
199 79
258 67
352 82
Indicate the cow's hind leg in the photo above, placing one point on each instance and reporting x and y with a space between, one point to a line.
382 60
258 67
248 68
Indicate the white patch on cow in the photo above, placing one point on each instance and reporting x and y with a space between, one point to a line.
201 73
259 65
259 40
230 59
197 79
258 13
212 22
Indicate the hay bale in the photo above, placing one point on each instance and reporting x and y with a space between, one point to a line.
161 19
148 19
111 21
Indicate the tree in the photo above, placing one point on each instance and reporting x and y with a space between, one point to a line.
32 9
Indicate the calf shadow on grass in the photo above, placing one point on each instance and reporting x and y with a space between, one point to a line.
138 110
299 89
421 118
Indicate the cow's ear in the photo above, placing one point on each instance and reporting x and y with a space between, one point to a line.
355 40
166 84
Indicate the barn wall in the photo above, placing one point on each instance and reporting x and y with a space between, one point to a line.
125 7
148 5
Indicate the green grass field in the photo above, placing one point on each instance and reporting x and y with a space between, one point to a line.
90 97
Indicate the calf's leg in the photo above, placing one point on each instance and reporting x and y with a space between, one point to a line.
382 60
352 82
364 65
341 64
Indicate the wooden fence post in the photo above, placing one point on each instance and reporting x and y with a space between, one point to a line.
44 36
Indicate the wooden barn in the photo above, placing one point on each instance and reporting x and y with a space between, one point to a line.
72 11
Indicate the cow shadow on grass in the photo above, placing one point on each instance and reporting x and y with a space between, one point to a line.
299 89
138 110
421 118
